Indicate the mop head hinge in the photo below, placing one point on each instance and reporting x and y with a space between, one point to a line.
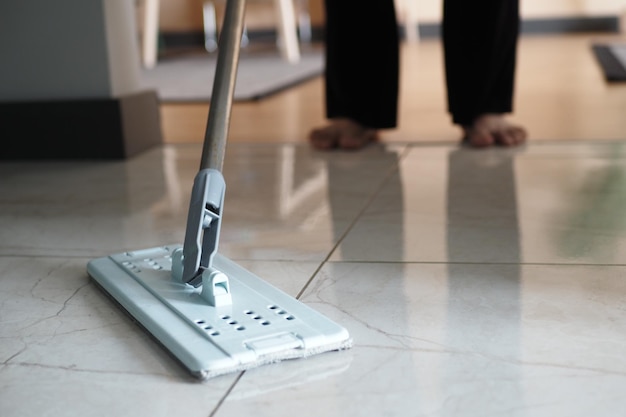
215 284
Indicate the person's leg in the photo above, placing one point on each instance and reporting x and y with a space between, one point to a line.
361 76
480 47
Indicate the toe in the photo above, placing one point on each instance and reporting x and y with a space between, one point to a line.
520 135
512 136
478 139
506 137
324 139
357 140
494 129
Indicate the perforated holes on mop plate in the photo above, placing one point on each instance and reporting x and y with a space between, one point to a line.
234 323
131 266
256 317
279 311
207 327
154 264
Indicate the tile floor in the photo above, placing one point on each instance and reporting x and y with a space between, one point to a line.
474 283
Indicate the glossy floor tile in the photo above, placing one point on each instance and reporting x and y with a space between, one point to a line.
542 204
473 283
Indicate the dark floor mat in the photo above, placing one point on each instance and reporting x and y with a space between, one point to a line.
612 60
189 78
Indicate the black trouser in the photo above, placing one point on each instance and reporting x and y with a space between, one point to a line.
362 59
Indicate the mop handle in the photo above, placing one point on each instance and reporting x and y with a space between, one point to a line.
216 133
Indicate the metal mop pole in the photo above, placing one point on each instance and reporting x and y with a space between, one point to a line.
206 205
223 86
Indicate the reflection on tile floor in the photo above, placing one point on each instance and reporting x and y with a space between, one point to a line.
474 283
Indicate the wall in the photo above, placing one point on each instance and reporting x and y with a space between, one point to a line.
66 49
186 15
430 10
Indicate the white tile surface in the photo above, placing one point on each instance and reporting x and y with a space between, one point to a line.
473 283
462 340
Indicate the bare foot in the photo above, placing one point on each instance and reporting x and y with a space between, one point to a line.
493 129
344 134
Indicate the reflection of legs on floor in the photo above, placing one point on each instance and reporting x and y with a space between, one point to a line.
482 187
484 310
346 199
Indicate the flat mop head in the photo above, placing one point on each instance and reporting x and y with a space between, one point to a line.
258 324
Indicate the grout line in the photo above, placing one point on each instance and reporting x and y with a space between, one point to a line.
390 172
358 261
228 391
371 198
474 263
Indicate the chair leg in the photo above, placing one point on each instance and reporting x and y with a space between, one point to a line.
209 17
245 40
210 26
150 33
290 48
409 10
304 20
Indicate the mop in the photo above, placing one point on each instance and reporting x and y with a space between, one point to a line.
210 313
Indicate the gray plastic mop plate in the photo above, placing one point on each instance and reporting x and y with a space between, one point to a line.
262 325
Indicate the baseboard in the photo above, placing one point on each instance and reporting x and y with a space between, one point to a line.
558 25
575 24
195 39
596 24
114 128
